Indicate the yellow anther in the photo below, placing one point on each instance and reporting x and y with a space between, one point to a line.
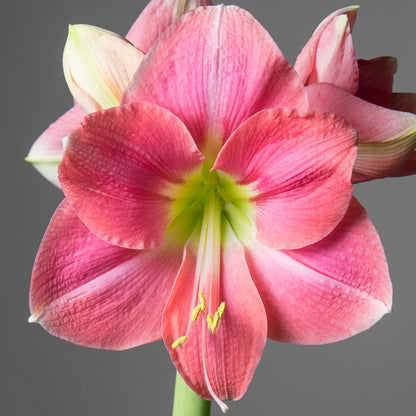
215 321
179 341
221 309
209 321
195 313
202 300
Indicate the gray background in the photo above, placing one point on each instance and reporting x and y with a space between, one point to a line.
372 373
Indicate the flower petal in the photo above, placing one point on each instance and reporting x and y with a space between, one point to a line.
94 294
118 167
156 18
299 167
329 54
376 80
226 359
404 101
409 168
336 61
47 151
386 138
328 291
98 66
215 68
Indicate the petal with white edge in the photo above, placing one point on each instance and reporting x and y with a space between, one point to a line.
156 18
47 151
386 138
306 61
328 291
336 62
94 294
98 66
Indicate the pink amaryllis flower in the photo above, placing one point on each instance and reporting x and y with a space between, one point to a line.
360 92
98 66
210 210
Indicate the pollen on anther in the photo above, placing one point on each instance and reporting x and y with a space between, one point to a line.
195 313
221 309
209 321
179 341
202 301
215 321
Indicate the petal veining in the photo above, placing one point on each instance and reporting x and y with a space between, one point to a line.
95 294
220 362
157 16
328 291
117 169
216 67
299 169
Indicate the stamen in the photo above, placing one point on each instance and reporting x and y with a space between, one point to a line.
195 313
209 321
202 300
221 309
179 341
215 321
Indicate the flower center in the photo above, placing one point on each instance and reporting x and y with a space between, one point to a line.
214 196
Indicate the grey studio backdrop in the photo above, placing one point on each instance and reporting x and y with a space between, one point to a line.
370 374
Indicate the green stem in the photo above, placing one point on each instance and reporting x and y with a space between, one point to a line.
186 402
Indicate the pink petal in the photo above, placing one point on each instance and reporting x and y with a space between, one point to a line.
91 293
47 151
404 101
118 168
214 68
329 54
328 291
376 80
386 138
231 354
299 167
156 18
336 61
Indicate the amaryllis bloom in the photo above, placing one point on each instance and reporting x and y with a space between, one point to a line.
98 66
210 210
360 92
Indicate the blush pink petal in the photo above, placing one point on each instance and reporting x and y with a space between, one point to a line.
156 18
328 291
336 61
232 353
214 68
330 49
299 169
376 80
47 151
118 168
98 295
386 138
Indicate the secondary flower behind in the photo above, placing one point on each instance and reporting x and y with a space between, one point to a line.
360 92
210 209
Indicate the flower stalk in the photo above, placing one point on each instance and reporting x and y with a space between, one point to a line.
187 402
